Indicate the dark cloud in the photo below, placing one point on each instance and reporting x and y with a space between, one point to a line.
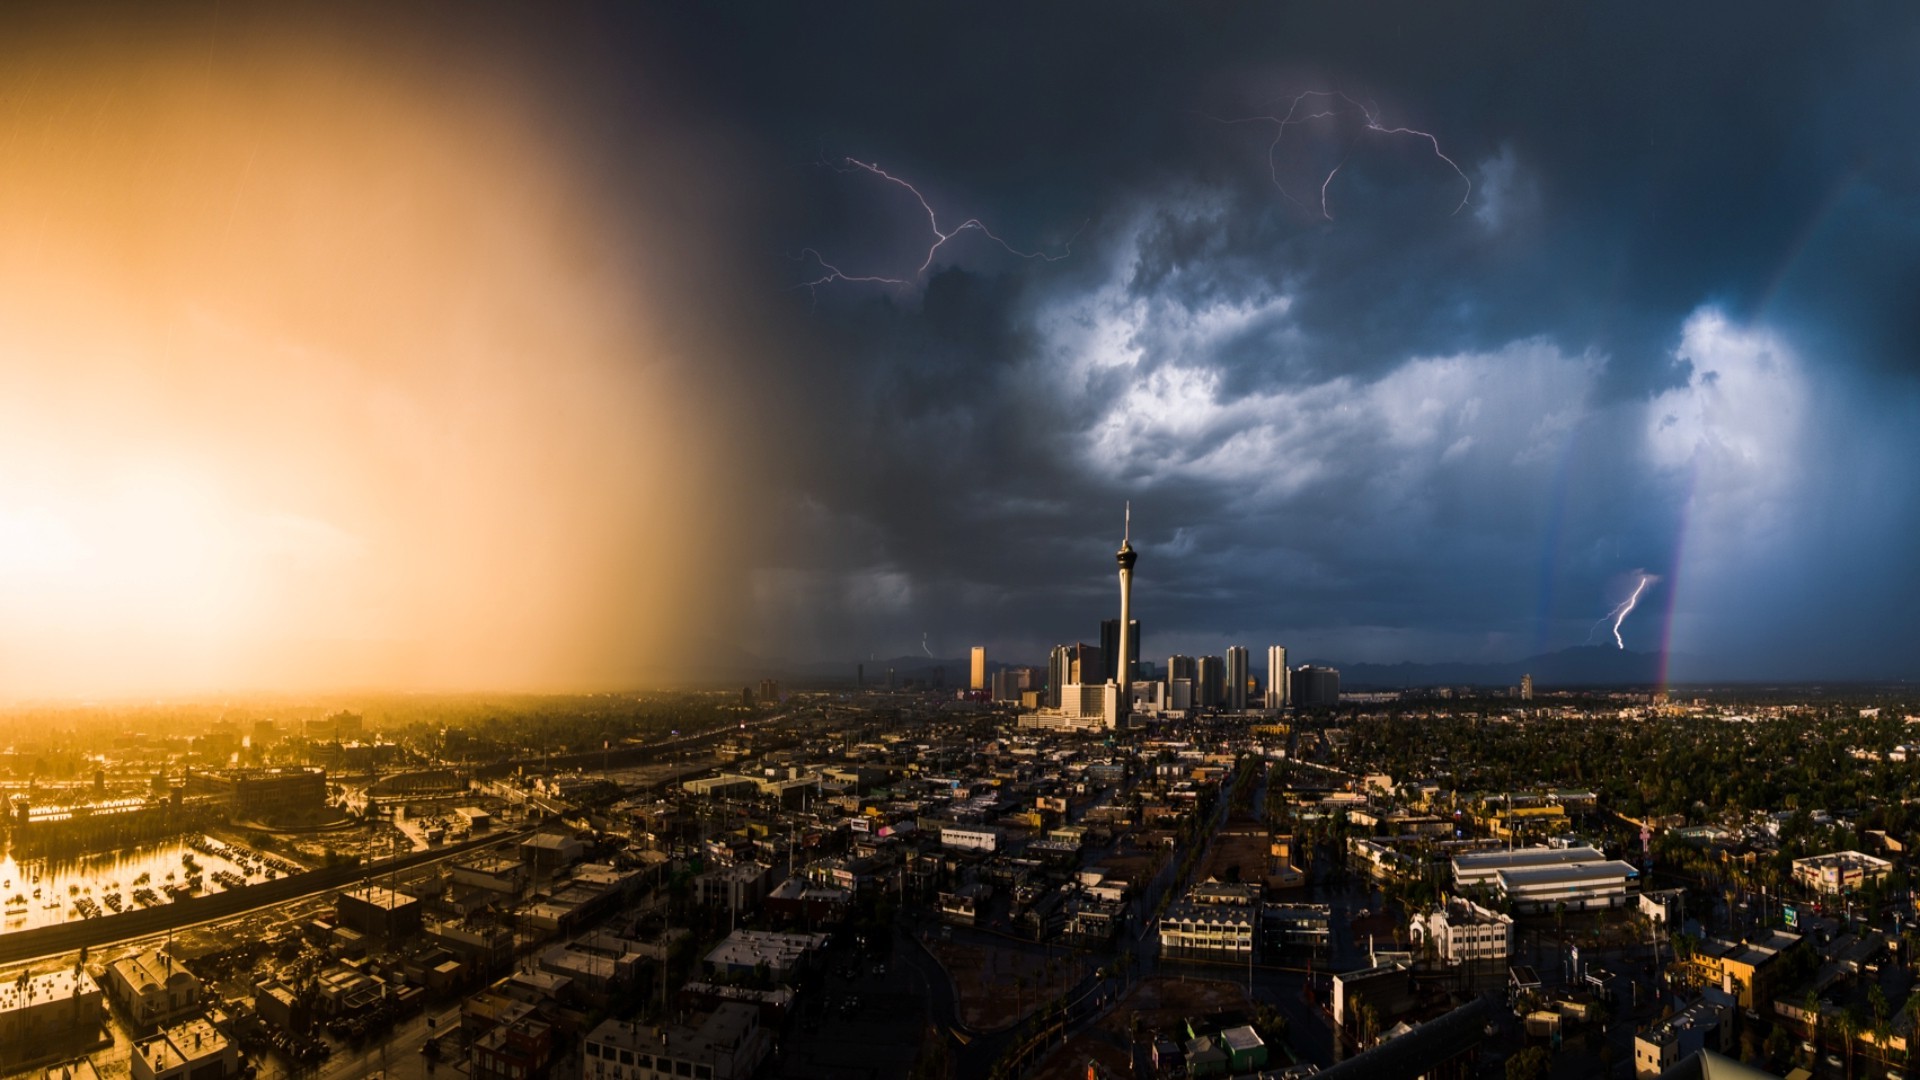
1403 432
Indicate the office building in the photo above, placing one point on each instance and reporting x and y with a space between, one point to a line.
1526 688
1059 668
979 668
1110 648
1463 932
1316 687
1210 688
1236 696
1840 872
1279 678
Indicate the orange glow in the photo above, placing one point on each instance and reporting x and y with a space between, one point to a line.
317 370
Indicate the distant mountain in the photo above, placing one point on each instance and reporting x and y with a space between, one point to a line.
1582 665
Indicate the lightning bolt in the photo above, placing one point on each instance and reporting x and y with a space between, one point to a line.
923 644
1621 610
1331 103
829 273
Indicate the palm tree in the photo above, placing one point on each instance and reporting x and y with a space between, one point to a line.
1848 1026
1882 1028
1812 1005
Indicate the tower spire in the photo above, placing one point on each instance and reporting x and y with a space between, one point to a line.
1126 530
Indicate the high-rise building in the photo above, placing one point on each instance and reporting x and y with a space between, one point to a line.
1526 688
1316 686
1084 665
1125 558
1236 696
1211 686
1279 679
1110 648
979 667
1059 673
1181 667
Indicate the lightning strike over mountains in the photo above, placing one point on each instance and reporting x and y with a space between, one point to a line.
1329 104
1618 614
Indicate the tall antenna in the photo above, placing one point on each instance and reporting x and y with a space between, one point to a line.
1126 531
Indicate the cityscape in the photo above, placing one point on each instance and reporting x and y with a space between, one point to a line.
628 542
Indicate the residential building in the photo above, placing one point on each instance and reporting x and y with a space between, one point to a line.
1702 1025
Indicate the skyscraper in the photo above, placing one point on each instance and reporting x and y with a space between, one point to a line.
1125 558
1279 679
1110 649
1059 673
1316 686
1211 685
979 667
1236 696
1526 688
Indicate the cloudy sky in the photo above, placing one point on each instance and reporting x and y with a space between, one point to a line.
440 349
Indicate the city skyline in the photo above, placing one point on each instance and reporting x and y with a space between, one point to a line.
606 348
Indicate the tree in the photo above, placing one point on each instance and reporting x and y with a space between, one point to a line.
1533 1063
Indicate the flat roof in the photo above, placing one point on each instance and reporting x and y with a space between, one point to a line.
1582 871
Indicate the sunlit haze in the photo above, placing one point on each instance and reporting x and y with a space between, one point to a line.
317 369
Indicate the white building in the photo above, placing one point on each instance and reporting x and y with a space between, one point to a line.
970 837
1463 932
745 951
1579 886
1279 680
1219 930
1480 868
729 1044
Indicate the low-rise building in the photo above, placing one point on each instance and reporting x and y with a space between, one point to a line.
43 1009
729 1044
152 988
1463 932
380 912
1841 871
1748 971
779 955
1702 1025
1217 930
516 1051
1576 886
1482 868
194 1050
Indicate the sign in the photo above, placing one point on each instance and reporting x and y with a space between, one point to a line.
1793 915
